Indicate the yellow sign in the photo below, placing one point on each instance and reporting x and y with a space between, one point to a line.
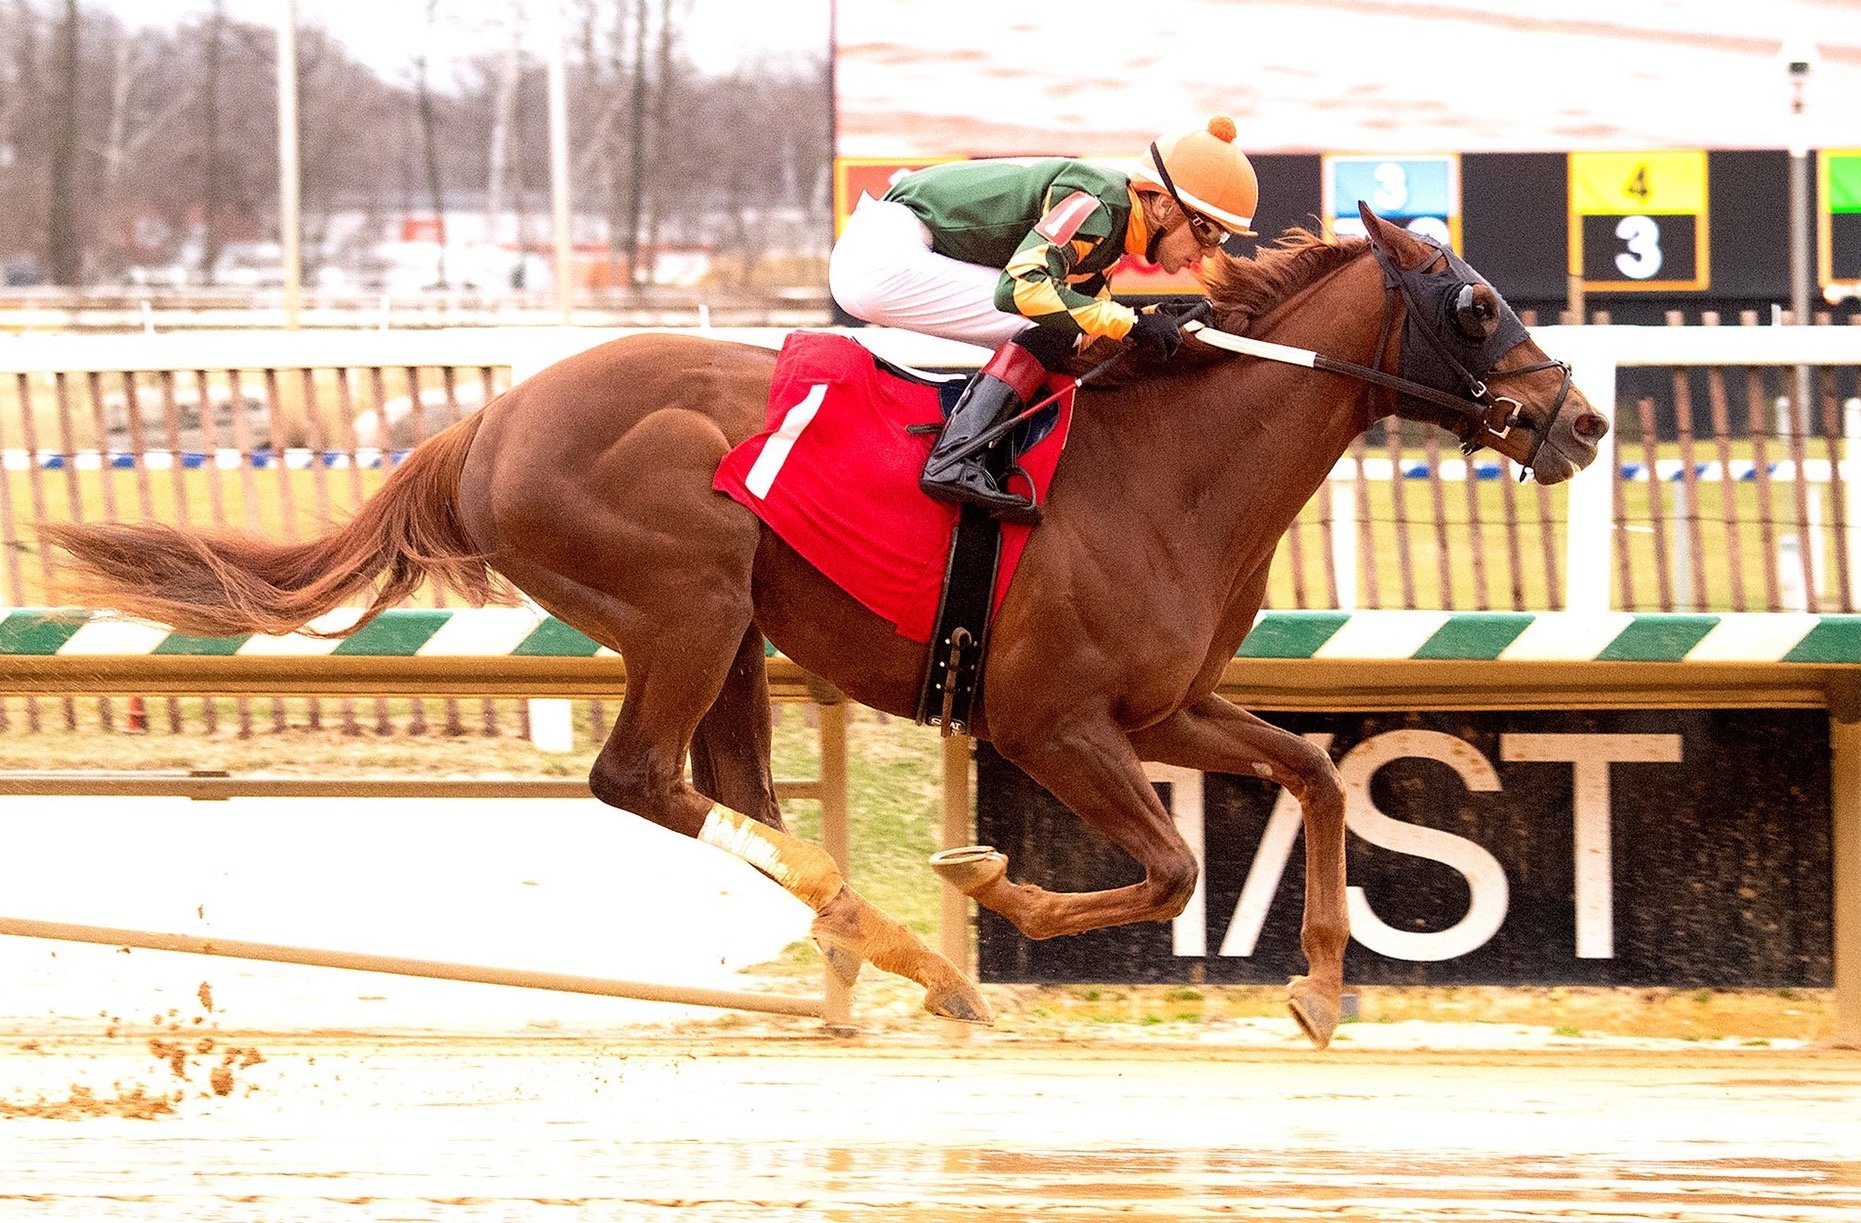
1671 183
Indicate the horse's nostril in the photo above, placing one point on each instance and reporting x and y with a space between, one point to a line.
1590 426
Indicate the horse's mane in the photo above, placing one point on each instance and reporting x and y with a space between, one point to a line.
1241 291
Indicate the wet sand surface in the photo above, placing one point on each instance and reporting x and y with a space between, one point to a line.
741 1127
164 1088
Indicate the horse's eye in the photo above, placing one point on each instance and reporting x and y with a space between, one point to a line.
1474 318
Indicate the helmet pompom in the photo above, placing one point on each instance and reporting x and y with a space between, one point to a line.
1222 128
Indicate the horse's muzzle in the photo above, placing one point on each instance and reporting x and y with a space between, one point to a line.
1570 446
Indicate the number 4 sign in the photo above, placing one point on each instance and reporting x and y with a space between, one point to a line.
1638 221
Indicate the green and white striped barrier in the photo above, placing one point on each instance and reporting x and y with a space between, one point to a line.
1369 636
479 632
1737 637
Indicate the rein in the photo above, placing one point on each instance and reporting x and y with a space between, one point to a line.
1490 420
1477 413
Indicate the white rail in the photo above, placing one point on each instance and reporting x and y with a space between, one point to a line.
1597 353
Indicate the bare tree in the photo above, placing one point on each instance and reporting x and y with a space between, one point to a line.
665 86
151 148
23 195
504 115
343 107
139 113
114 151
429 139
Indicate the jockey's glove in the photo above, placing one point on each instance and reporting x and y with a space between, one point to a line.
1157 333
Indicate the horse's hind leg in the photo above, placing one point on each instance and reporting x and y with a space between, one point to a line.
730 749
673 678
730 764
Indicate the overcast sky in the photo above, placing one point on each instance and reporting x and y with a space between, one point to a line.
385 34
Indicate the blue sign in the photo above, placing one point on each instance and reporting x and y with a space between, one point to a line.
1421 193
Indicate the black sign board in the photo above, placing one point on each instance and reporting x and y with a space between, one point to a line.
1623 847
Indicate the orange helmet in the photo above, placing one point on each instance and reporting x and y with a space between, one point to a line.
1204 170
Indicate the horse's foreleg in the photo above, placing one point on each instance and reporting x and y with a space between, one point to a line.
1216 737
1092 770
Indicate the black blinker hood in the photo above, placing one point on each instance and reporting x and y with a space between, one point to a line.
1434 352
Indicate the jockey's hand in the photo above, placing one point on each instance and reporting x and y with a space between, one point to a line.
1157 333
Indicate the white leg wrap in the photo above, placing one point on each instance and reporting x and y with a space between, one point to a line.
803 869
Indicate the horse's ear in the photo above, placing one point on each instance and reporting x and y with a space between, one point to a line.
1392 240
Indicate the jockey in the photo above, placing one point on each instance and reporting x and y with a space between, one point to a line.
1014 254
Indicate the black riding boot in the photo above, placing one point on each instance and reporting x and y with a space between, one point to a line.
1000 389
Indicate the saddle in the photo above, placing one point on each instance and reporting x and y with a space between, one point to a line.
834 473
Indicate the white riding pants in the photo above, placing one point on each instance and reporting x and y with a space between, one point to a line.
884 271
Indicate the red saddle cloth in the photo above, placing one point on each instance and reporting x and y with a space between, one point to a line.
836 476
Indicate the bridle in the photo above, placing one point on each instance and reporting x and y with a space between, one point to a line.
1462 342
1457 342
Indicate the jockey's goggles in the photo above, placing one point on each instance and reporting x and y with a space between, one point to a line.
1208 232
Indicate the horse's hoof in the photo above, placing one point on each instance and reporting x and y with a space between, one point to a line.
971 868
843 961
960 1001
1316 1013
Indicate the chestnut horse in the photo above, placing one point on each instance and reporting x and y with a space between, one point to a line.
588 488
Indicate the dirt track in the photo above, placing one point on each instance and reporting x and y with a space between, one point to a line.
693 1126
174 1089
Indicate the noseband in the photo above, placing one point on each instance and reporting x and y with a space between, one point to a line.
1447 339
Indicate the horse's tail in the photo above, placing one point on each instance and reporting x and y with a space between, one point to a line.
222 583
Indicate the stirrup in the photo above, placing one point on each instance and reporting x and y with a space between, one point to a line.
971 484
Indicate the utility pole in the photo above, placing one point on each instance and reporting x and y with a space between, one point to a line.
1799 58
65 254
559 162
290 224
